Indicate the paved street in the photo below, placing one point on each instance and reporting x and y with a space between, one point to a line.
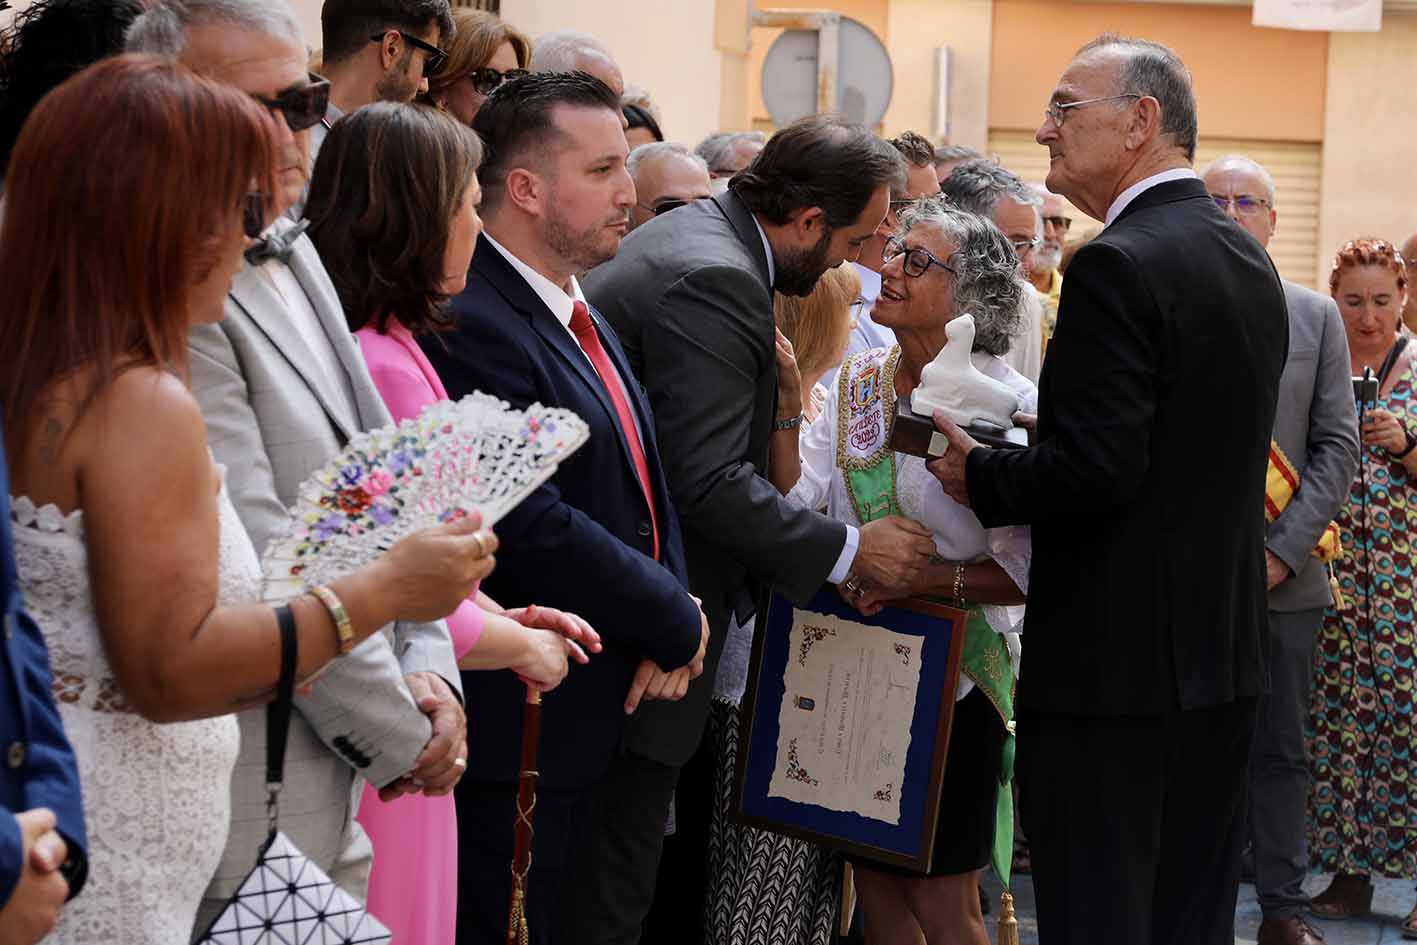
1391 904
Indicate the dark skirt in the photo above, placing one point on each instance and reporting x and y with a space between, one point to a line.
764 888
964 831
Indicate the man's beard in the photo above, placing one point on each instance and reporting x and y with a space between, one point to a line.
578 247
396 86
1045 259
798 270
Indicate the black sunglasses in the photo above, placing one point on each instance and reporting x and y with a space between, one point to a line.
664 206
253 214
303 107
485 80
436 57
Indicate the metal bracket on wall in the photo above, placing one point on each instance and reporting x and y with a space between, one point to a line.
827 25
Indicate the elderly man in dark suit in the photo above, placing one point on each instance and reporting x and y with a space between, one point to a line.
690 295
1146 612
42 838
601 537
1316 429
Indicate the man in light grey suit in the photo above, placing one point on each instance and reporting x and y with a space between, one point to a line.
282 387
1316 426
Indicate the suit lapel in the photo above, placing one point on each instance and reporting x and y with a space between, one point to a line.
258 297
507 281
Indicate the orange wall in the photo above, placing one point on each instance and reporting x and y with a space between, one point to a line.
872 13
1250 82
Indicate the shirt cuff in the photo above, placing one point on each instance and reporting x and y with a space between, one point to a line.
848 556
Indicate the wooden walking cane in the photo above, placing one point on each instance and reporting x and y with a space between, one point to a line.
517 933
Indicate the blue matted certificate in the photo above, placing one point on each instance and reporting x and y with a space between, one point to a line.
847 721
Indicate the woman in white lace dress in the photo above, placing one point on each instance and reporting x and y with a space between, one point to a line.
940 264
130 201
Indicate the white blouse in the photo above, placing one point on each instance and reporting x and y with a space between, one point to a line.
958 534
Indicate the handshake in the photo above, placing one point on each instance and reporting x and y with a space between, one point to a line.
892 562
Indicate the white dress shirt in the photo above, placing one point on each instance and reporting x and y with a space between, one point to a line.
561 304
957 532
847 558
1135 191
1026 348
303 316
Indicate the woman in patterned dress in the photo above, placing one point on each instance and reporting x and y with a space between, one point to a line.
1362 815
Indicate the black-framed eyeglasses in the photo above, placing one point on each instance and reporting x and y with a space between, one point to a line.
1061 224
917 261
1247 204
253 214
486 79
1058 111
435 59
303 106
664 206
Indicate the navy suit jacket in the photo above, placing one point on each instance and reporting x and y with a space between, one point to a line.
38 767
582 542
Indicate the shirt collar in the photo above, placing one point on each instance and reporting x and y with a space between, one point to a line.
767 248
870 283
1133 192
557 299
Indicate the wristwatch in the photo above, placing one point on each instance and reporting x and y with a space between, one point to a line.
1411 444
791 423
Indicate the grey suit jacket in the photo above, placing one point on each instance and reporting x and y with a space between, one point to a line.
273 419
1316 425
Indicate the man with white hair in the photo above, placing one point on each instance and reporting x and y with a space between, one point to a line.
1316 429
667 176
283 387
1144 490
727 153
1046 277
571 51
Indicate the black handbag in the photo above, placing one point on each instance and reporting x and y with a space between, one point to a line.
286 899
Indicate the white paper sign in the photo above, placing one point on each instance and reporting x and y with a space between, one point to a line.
844 725
1353 16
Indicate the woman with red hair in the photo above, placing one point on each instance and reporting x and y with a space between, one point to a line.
1362 752
133 190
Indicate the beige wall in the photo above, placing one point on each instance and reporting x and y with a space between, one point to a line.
665 46
1369 183
919 27
1250 82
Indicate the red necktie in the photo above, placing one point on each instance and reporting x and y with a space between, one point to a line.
585 333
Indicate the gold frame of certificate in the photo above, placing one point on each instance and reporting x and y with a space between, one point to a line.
846 724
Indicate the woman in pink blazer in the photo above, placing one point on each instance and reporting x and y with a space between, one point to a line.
393 212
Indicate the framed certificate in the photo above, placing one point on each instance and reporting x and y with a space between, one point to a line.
846 724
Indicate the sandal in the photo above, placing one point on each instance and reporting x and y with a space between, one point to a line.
1349 895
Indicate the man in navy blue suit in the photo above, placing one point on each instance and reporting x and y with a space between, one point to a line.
42 841
601 538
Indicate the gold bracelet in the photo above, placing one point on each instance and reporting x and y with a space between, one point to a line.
344 630
959 583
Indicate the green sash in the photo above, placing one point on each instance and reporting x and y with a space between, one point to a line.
871 485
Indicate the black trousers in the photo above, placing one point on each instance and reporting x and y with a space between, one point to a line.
1279 766
634 884
1136 823
486 814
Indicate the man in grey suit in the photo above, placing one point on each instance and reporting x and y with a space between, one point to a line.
282 388
690 296
1316 426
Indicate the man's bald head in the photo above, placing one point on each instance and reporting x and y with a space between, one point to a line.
571 51
1246 192
666 175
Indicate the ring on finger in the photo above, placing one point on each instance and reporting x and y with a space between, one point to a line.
481 543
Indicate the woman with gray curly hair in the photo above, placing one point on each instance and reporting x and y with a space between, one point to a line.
942 263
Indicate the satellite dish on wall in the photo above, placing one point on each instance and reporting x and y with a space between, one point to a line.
864 77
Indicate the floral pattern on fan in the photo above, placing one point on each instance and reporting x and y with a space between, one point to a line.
456 457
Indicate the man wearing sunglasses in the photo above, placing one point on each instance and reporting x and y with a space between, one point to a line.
666 176
283 387
379 51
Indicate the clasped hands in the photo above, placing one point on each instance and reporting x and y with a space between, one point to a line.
891 561
651 682
34 903
443 760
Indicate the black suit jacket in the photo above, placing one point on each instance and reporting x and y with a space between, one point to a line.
1145 491
689 295
581 542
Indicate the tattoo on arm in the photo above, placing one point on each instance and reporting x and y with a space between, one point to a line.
50 440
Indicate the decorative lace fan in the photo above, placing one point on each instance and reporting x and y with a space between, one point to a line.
476 454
